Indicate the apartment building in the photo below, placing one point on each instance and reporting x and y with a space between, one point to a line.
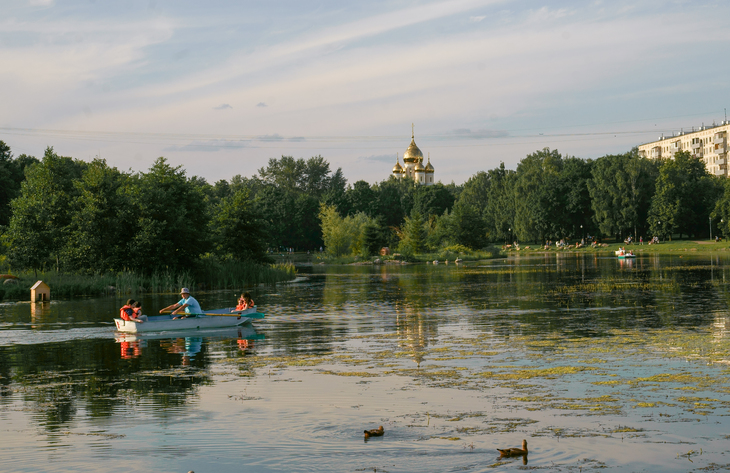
708 143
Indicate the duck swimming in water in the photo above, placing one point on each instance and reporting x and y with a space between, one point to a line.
513 452
375 432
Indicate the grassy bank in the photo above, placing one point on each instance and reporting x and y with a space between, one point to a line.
666 247
210 275
447 254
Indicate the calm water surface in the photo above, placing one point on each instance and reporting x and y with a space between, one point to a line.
599 364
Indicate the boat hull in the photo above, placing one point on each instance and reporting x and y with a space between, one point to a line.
166 323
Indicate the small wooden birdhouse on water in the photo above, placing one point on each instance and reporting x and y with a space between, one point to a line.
40 291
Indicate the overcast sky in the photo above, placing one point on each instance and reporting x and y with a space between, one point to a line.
222 86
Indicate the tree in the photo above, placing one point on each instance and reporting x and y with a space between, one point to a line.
685 195
169 220
41 214
468 226
342 236
621 188
412 235
538 210
289 192
12 174
361 198
237 230
99 232
432 200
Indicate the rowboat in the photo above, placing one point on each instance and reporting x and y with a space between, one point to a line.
241 332
218 318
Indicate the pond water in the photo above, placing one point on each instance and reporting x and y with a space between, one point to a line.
597 363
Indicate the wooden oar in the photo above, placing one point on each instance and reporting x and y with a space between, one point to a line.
252 315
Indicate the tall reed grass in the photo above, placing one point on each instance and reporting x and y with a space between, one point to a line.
209 274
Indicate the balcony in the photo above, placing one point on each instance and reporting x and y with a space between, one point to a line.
719 172
719 139
696 146
720 150
656 154
720 161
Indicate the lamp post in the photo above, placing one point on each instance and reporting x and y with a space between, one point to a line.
710 227
581 232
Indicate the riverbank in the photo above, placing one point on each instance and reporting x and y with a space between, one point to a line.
209 276
667 247
446 255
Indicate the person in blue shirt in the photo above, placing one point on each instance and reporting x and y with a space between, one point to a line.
187 303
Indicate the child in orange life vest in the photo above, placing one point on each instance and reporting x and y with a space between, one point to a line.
127 310
137 316
245 302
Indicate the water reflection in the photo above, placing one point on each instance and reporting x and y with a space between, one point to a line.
316 374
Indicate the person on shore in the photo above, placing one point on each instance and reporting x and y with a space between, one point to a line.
187 303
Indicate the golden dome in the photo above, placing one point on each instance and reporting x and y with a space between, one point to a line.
397 168
413 154
428 167
419 167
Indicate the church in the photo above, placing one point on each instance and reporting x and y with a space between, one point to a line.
413 167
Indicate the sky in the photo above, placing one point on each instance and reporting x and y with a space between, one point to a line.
220 87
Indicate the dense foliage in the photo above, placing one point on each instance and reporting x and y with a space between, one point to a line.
69 215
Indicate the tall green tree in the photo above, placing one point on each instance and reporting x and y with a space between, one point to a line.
99 231
237 230
538 203
432 200
412 235
621 188
12 174
685 195
42 213
169 220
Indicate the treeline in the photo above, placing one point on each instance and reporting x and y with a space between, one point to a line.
71 215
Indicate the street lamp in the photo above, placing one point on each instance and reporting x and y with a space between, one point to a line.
710 227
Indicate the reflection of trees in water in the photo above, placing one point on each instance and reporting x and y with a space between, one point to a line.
59 379
414 331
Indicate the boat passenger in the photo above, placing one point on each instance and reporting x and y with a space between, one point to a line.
187 303
138 316
245 302
127 310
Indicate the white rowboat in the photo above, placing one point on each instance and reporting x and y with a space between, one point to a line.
218 318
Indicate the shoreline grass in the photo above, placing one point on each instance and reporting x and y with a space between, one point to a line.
662 248
211 275
447 254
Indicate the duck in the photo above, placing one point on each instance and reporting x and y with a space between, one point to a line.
513 452
375 432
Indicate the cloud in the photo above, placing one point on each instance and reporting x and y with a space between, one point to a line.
222 106
278 138
477 19
261 104
480 134
210 145
380 158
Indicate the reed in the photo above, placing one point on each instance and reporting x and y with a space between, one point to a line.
211 274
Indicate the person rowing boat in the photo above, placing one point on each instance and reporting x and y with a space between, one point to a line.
187 303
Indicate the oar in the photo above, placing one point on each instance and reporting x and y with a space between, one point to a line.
252 315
